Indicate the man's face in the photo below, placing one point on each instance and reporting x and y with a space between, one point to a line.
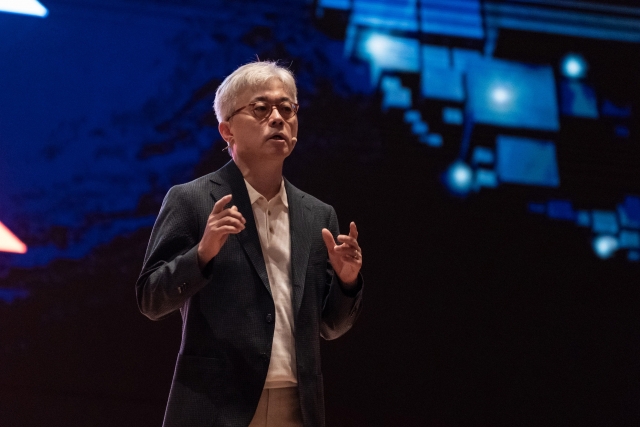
252 139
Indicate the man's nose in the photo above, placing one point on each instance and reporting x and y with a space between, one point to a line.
275 118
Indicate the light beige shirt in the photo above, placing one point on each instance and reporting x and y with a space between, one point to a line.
272 221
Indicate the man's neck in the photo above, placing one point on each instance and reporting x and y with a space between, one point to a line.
264 177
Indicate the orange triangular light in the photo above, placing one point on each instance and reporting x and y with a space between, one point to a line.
9 242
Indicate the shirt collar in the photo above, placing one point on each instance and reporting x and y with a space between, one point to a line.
254 195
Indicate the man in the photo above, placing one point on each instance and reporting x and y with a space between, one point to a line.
251 263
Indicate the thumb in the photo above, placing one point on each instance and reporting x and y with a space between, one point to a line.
328 240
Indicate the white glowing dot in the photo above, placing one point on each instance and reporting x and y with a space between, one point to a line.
459 177
501 95
605 246
574 66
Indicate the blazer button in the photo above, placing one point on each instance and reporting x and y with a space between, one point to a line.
264 356
182 288
269 318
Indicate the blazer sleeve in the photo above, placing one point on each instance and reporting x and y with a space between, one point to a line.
341 308
171 274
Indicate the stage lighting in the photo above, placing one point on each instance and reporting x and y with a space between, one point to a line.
24 7
9 242
459 178
574 66
605 246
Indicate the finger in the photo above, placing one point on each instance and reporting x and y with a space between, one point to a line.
227 220
351 260
328 240
220 204
353 230
229 229
349 241
232 212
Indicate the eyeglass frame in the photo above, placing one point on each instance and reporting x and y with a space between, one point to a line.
295 112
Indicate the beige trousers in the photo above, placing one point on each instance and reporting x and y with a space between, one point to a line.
278 407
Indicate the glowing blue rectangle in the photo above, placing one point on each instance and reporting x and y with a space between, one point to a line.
583 219
561 209
386 52
435 56
578 100
629 212
439 83
605 222
622 131
432 140
629 239
396 15
394 95
482 155
460 18
463 57
537 208
412 116
504 93
527 161
335 4
486 178
419 128
610 109
452 116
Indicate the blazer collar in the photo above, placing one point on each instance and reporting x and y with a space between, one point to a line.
229 179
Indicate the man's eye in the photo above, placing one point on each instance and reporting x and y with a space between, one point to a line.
286 109
260 108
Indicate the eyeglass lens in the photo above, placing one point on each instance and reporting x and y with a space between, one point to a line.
262 110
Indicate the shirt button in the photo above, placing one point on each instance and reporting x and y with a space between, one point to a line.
269 318
271 229
269 213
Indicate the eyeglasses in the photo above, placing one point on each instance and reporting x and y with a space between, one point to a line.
262 110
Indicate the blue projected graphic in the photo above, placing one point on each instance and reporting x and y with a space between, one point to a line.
527 161
495 102
508 94
23 7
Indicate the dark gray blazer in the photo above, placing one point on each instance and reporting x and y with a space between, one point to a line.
228 312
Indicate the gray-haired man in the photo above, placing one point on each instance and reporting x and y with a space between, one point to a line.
254 267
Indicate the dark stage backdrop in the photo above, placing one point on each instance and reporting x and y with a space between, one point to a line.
488 151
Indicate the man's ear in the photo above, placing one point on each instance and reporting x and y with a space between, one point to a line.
225 130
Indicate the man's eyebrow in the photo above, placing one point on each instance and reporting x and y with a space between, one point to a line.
264 98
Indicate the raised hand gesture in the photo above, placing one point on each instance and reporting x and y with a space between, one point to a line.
221 223
346 257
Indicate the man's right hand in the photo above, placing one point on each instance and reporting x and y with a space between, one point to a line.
220 224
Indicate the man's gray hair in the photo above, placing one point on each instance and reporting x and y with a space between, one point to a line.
252 75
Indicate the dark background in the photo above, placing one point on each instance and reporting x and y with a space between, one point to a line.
476 312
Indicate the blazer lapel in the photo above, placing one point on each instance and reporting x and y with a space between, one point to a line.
300 216
229 180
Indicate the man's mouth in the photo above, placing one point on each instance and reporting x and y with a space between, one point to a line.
278 137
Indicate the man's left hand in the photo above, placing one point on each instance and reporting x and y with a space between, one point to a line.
346 258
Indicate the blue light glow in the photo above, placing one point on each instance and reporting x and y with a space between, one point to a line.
24 7
459 178
527 161
605 246
574 66
501 96
605 222
505 93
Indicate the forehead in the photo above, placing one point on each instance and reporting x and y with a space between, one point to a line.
272 90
